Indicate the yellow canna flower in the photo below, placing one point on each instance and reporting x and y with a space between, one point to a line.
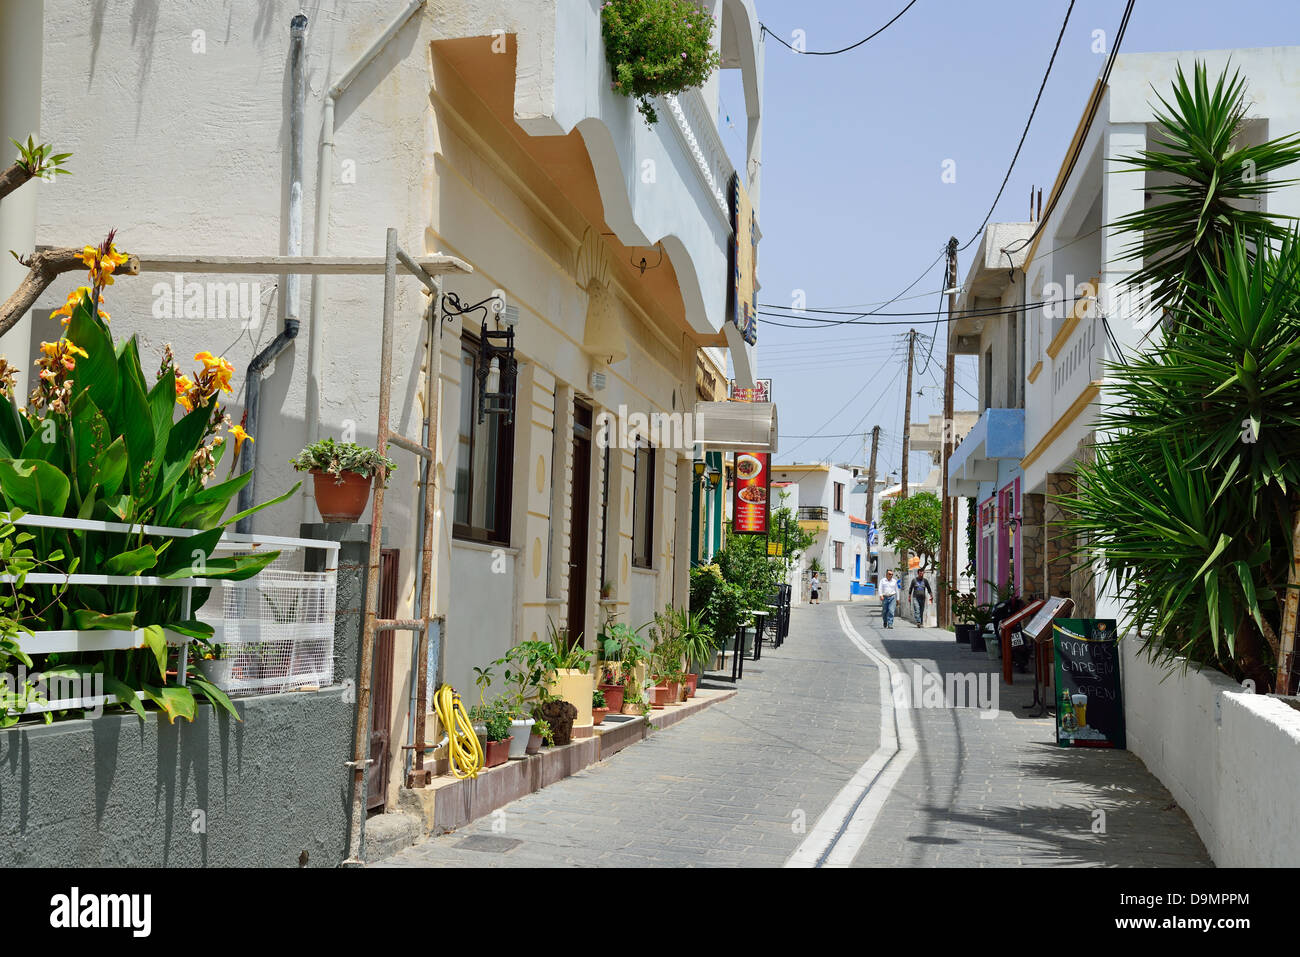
90 256
240 438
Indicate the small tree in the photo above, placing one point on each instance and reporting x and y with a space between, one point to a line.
914 524
793 538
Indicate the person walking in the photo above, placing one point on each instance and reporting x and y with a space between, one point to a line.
888 598
920 590
816 588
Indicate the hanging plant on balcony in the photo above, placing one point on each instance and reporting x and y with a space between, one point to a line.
657 48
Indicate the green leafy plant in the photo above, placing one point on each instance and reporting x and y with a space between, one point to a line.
483 678
335 458
963 607
1193 491
657 48
598 698
94 441
39 159
914 524
542 728
528 669
1210 182
619 641
496 719
720 604
569 655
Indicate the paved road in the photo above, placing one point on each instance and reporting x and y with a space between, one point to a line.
794 769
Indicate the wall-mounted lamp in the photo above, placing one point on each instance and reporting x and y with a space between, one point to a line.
497 368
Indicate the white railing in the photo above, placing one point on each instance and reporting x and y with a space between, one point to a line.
318 630
697 133
1077 364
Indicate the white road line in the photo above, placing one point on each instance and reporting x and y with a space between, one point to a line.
843 827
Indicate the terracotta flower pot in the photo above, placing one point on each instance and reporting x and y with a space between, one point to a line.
497 752
613 697
341 503
692 680
674 692
534 744
632 709
658 696
598 715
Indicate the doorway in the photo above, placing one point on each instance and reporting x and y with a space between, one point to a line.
579 524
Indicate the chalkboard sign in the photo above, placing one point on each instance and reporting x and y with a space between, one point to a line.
1089 703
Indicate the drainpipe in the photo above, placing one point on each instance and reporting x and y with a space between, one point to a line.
292 295
320 238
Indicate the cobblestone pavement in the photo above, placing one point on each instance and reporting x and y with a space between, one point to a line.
742 782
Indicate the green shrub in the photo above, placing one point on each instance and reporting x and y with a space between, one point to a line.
657 47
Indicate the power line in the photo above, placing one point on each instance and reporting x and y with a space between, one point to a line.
1015 156
1082 137
866 385
764 29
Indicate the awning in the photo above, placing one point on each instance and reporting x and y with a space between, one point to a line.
999 434
747 426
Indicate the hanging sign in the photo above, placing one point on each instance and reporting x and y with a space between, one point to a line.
753 483
1089 703
762 391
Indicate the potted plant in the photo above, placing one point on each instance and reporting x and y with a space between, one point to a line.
217 663
963 612
633 702
981 615
527 669
571 679
559 716
598 708
343 473
540 734
698 646
496 721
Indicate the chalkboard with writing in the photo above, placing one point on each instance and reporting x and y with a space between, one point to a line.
1089 702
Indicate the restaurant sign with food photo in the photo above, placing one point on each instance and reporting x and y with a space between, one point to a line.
752 483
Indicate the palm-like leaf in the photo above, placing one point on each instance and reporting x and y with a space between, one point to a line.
1213 183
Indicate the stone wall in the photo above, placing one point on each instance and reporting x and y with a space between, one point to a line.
1033 552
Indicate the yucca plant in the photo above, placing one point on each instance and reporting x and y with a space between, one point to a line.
1190 496
1210 181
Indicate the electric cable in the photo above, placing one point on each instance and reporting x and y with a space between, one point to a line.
764 29
864 388
1024 133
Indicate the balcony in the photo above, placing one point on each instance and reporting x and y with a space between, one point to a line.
813 517
999 434
666 183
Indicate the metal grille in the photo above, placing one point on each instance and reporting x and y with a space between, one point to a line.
277 629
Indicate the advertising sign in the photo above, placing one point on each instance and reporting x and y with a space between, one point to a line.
1089 703
762 391
753 483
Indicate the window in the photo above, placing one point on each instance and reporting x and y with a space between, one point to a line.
839 556
839 496
643 506
483 456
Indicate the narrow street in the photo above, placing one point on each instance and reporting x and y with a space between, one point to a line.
793 771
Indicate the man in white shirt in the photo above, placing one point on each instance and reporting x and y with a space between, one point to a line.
888 598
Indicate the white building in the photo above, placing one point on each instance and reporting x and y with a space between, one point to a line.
485 130
823 509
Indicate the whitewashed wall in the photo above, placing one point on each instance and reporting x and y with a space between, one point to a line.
1230 758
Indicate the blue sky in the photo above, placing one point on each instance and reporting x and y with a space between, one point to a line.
853 202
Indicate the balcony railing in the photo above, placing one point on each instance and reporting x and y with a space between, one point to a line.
812 513
698 133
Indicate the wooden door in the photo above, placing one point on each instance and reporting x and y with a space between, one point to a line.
579 545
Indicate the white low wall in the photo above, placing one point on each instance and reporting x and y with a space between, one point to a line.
1230 758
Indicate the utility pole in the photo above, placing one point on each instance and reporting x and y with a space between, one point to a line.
948 532
907 438
907 409
871 480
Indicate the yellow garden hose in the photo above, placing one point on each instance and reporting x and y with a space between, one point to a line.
464 752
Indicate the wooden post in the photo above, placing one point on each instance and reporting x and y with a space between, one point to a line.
1285 683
